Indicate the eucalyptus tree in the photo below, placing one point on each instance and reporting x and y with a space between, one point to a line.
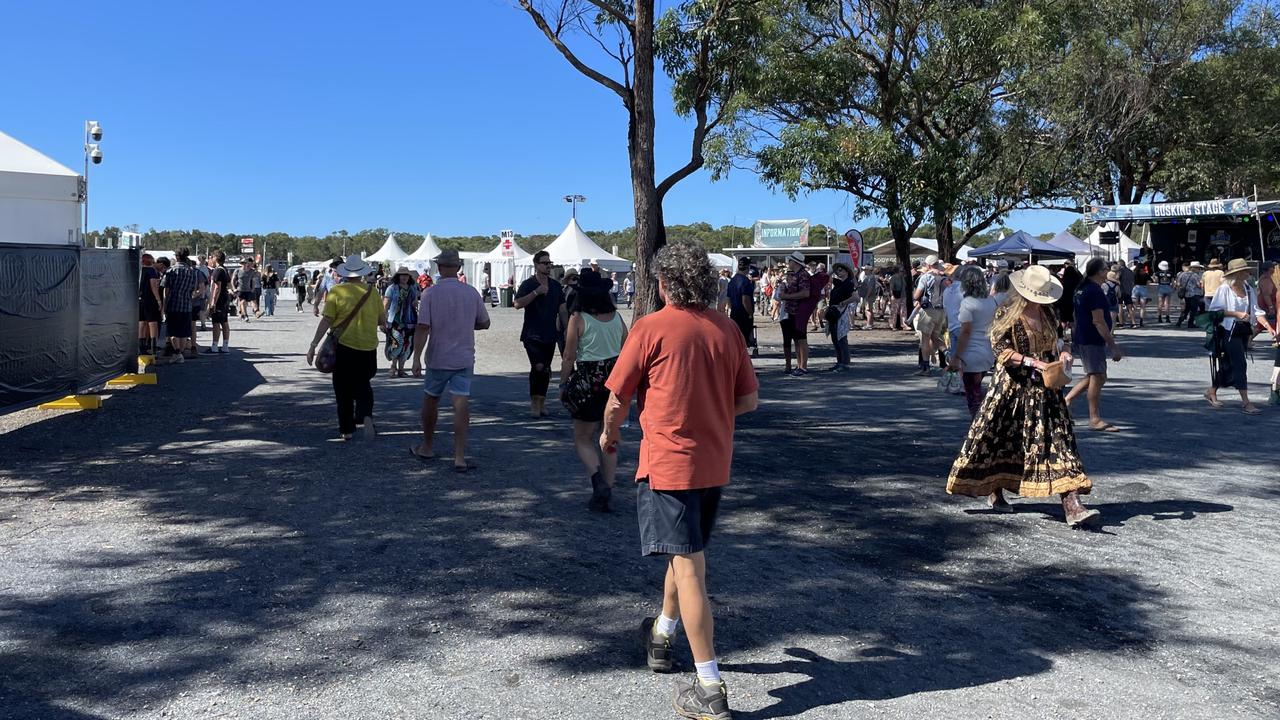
706 46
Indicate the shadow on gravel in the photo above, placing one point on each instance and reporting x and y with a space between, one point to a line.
288 558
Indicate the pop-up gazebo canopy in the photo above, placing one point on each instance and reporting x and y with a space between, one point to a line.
420 259
1020 244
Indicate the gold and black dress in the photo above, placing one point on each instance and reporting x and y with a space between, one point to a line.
1022 439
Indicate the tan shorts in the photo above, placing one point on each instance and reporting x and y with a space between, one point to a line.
931 322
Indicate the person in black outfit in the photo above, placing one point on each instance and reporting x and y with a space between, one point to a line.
540 297
1065 306
842 293
299 288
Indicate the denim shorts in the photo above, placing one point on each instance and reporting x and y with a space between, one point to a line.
675 522
458 382
1092 357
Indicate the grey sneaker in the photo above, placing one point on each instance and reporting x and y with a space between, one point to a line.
698 701
657 648
370 432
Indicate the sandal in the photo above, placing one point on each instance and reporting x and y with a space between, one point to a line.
1212 400
465 468
1104 427
421 458
1251 409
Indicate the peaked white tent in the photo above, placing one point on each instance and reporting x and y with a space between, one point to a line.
390 252
502 267
39 198
574 249
420 259
1126 250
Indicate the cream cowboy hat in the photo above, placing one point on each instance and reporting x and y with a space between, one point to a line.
1238 265
1036 284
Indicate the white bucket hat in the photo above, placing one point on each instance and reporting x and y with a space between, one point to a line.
1036 284
1164 265
353 267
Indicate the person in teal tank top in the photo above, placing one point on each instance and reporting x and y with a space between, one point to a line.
595 335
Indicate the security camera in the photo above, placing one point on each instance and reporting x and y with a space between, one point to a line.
95 131
96 155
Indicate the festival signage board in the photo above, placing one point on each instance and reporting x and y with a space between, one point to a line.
1168 211
509 243
246 245
780 233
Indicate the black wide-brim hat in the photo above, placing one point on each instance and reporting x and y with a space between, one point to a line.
590 281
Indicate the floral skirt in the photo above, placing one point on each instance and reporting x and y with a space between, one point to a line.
1022 440
399 343
585 395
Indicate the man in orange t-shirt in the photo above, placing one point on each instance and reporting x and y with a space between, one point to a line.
690 366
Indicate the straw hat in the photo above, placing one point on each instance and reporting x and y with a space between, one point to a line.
353 267
1036 284
1238 265
1215 264
1196 265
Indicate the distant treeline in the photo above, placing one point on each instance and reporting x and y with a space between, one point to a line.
309 247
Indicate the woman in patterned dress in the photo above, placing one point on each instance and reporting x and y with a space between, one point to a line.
401 303
1023 439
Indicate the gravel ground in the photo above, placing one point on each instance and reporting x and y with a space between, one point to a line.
205 548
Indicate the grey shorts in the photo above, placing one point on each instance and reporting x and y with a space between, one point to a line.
1092 357
675 522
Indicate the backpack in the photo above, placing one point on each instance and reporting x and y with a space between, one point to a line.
932 297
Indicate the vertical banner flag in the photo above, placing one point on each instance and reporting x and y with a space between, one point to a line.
854 239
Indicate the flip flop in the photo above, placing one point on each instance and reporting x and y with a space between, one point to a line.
1250 410
465 468
1212 402
421 458
1104 427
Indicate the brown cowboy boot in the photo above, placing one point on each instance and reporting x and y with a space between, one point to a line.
1075 510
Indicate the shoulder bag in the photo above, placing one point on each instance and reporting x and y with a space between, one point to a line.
327 355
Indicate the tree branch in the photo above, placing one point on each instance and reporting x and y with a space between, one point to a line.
608 82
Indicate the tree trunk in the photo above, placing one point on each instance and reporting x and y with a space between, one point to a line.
946 241
651 235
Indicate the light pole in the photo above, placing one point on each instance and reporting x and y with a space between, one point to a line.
574 200
92 131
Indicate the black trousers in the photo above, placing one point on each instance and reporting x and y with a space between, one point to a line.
540 356
1191 307
351 375
1232 365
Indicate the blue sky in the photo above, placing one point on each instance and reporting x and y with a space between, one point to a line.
442 116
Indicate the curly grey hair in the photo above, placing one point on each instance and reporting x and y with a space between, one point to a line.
973 283
687 274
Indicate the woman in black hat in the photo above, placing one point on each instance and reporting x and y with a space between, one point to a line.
593 340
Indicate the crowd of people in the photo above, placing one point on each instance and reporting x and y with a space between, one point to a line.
1009 335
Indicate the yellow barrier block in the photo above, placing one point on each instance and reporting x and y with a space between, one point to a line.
134 379
74 402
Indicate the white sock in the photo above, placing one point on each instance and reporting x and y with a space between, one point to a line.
666 625
708 672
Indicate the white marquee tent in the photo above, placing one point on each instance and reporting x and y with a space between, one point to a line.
1127 249
574 249
919 247
39 198
502 267
390 252
720 261
420 259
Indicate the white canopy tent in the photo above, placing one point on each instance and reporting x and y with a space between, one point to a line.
420 259
389 254
502 267
1126 250
918 247
573 248
720 261
39 198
